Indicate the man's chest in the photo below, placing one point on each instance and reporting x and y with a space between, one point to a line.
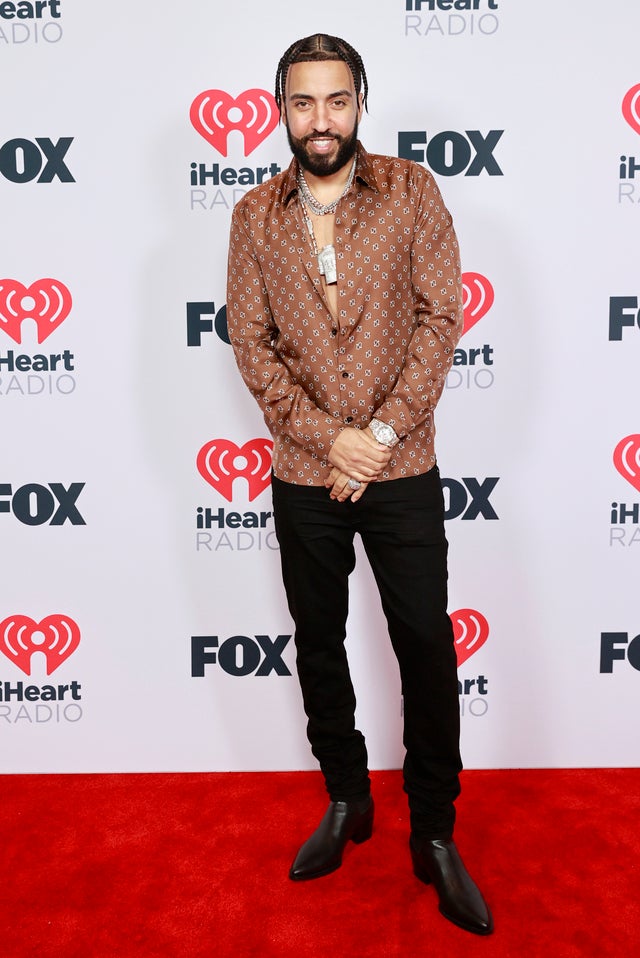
370 246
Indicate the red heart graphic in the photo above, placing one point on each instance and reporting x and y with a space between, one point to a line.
477 295
470 632
57 637
631 107
626 459
47 301
218 463
210 115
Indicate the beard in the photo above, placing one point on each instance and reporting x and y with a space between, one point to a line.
324 165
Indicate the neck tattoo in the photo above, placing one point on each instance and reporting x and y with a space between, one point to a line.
327 255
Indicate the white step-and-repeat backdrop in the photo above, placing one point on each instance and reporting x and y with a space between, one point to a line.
142 619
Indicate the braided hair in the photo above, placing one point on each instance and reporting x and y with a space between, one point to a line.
321 46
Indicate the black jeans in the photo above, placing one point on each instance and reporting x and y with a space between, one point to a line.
401 523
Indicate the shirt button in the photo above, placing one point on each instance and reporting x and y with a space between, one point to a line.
348 419
345 375
334 332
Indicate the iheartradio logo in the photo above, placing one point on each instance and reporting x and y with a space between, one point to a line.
214 114
626 459
631 107
57 637
47 302
220 462
470 632
477 298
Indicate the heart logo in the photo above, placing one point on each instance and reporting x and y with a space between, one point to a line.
47 301
221 461
57 637
215 113
631 107
477 298
470 632
626 459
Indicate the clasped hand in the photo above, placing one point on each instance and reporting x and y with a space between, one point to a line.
355 454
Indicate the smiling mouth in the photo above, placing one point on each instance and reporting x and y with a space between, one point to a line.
321 143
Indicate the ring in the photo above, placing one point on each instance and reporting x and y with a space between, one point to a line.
354 484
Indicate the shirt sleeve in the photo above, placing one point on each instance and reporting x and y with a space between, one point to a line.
287 407
437 295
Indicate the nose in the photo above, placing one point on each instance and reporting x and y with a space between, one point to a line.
321 117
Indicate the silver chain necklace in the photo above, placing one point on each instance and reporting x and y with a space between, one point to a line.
327 255
314 205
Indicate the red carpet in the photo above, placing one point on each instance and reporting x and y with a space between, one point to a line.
196 865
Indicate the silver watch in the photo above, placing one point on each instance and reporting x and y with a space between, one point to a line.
383 433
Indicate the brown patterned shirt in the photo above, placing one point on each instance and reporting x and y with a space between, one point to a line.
399 315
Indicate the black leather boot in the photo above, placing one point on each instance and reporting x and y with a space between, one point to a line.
322 853
439 862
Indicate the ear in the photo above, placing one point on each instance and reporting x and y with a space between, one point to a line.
360 105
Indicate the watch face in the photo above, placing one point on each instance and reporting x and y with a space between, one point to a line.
383 432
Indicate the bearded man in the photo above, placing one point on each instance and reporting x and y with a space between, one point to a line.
344 310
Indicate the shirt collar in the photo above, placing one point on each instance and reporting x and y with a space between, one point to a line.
364 173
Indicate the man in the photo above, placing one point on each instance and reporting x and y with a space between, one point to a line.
344 309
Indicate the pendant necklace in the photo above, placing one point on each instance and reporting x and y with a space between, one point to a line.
327 255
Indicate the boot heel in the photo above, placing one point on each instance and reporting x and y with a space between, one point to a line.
364 831
363 834
419 871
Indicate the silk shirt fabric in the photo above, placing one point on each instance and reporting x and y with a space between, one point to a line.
387 353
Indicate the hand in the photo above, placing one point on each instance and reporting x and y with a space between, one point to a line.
358 455
337 483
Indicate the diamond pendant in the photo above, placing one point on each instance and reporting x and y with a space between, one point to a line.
327 264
